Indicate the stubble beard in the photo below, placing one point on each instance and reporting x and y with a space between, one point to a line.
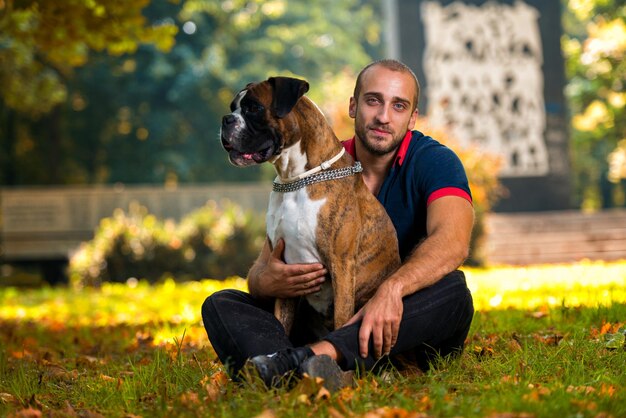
377 147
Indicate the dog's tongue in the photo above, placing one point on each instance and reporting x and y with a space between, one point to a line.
247 156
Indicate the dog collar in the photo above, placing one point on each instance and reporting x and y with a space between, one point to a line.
316 177
323 166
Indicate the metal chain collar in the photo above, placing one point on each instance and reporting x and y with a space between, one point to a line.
316 178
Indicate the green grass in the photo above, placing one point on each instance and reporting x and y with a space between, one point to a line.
536 348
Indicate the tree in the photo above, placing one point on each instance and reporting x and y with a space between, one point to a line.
595 48
154 117
41 43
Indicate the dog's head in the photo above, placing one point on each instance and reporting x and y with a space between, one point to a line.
261 123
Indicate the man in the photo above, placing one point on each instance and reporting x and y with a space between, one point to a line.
424 309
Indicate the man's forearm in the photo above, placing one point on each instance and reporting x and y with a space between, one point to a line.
254 274
426 265
444 250
253 279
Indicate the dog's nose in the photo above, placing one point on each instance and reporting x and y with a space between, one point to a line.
228 119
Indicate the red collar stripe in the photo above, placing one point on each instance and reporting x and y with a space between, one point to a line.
448 191
404 147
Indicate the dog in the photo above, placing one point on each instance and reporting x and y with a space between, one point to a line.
319 205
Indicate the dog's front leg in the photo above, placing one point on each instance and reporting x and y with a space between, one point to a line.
344 290
285 312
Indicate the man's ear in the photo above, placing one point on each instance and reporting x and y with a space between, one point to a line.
287 91
352 108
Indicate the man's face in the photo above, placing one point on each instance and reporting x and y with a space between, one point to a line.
383 112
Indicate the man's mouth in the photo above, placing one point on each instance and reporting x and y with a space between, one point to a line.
379 131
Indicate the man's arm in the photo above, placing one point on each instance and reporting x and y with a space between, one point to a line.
449 227
270 276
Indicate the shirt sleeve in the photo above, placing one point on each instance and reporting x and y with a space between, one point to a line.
442 174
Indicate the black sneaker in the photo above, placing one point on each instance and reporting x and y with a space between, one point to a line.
325 367
274 369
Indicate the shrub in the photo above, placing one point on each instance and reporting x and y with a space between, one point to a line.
212 242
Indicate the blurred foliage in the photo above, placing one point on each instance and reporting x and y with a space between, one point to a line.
132 99
594 46
482 169
41 42
213 241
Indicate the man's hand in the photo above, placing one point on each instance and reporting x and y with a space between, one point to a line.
272 277
381 317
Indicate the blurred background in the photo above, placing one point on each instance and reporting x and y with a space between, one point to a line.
111 168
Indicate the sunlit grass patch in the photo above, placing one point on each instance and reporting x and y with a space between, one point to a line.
134 302
587 283
537 347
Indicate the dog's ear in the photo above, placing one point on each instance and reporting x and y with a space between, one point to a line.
287 91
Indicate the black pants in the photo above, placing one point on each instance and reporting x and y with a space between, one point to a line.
435 322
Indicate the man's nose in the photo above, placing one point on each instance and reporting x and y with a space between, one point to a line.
383 114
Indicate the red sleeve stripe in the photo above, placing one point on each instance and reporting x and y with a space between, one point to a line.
448 191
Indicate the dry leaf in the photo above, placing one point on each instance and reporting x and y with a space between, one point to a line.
189 398
323 394
268 413
608 390
387 412
6 398
213 385
334 413
26 413
549 339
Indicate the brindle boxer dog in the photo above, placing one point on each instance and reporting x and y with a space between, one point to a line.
320 205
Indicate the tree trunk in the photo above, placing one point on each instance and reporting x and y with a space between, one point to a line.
8 173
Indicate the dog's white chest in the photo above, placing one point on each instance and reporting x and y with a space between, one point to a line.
293 217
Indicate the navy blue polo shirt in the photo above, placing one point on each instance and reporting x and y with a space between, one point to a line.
423 171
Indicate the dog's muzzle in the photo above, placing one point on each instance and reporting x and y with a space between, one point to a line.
237 142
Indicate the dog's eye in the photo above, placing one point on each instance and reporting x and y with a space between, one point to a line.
252 109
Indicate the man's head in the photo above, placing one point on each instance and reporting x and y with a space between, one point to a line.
393 65
384 105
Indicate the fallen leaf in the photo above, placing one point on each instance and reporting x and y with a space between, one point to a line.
267 413
69 411
6 398
514 345
387 412
483 351
89 361
26 413
606 327
608 390
584 404
580 389
323 394
58 372
213 385
107 378
189 398
85 413
334 413
548 339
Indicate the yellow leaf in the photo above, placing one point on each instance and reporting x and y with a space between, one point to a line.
323 394
267 413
